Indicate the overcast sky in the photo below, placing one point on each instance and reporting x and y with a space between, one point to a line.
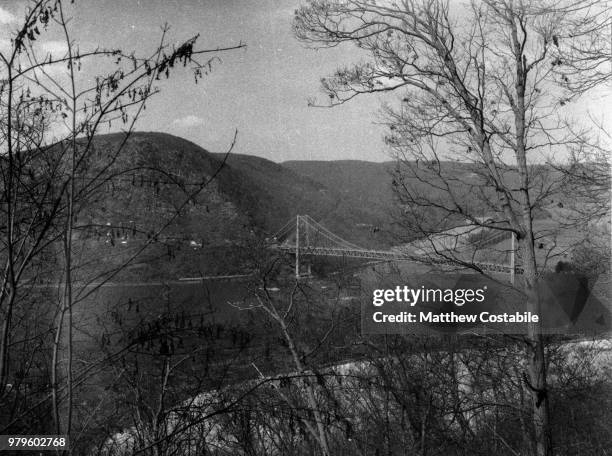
261 90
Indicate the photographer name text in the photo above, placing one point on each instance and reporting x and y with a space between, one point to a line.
452 317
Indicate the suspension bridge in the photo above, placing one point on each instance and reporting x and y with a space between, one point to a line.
304 236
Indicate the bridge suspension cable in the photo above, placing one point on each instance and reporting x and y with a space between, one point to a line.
284 231
312 238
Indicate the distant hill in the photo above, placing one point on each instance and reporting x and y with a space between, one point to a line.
369 186
366 185
249 198
350 177
271 194
260 194
152 194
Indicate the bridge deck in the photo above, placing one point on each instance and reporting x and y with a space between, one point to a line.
390 255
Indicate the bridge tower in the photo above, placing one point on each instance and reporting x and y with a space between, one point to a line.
297 246
304 233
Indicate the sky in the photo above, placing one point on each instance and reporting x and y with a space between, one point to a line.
261 90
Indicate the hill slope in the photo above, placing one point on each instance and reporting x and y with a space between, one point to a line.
361 184
152 192
260 194
272 194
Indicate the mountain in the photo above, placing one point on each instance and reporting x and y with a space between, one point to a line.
272 194
350 178
261 195
360 184
162 190
154 184
152 192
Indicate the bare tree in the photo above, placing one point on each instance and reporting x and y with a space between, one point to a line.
53 175
479 84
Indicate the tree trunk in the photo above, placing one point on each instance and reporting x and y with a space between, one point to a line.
536 359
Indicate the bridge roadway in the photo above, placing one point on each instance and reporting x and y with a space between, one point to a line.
390 255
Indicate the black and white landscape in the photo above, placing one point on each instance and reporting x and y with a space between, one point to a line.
308 227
